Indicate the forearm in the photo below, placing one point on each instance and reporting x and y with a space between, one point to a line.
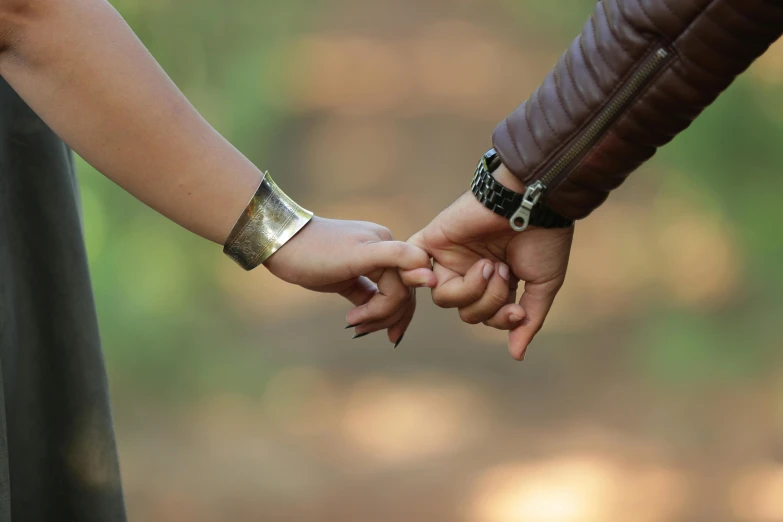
640 73
83 71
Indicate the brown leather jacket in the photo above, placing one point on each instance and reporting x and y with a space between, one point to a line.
639 73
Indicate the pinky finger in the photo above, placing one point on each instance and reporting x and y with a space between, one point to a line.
397 331
507 318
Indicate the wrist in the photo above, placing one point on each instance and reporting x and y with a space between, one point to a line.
506 178
468 205
499 190
269 221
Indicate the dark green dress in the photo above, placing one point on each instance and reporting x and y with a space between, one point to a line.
58 458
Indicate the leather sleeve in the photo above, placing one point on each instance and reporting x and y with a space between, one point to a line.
612 99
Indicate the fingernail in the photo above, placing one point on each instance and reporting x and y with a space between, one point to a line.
488 269
352 325
360 335
514 319
503 271
399 341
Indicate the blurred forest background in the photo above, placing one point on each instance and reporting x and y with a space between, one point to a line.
655 393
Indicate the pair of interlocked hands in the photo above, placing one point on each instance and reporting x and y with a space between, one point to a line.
468 255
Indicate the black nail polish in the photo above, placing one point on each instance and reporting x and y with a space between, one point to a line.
399 341
352 325
357 336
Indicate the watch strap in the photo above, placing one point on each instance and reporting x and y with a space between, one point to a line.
505 202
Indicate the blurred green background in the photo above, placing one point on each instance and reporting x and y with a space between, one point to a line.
652 395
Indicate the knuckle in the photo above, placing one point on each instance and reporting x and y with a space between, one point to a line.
400 295
372 308
398 250
403 250
385 308
360 238
422 257
497 299
385 234
439 300
474 293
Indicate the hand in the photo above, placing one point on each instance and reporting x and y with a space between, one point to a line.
360 262
474 248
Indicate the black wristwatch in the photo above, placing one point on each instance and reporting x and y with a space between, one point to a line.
522 210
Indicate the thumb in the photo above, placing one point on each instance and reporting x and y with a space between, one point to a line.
420 276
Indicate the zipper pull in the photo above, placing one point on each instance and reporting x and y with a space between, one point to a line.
521 218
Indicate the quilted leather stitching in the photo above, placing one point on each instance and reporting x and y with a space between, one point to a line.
558 90
594 109
597 146
572 77
515 143
599 51
543 112
530 127
613 30
589 65
691 82
742 14
650 18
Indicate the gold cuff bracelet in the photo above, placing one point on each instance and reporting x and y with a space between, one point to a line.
268 222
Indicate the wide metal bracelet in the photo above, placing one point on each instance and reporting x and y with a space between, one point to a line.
268 222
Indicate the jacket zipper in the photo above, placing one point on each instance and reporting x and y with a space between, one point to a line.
593 132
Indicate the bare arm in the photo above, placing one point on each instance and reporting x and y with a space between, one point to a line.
81 68
83 71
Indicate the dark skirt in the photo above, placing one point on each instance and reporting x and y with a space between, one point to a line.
58 457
